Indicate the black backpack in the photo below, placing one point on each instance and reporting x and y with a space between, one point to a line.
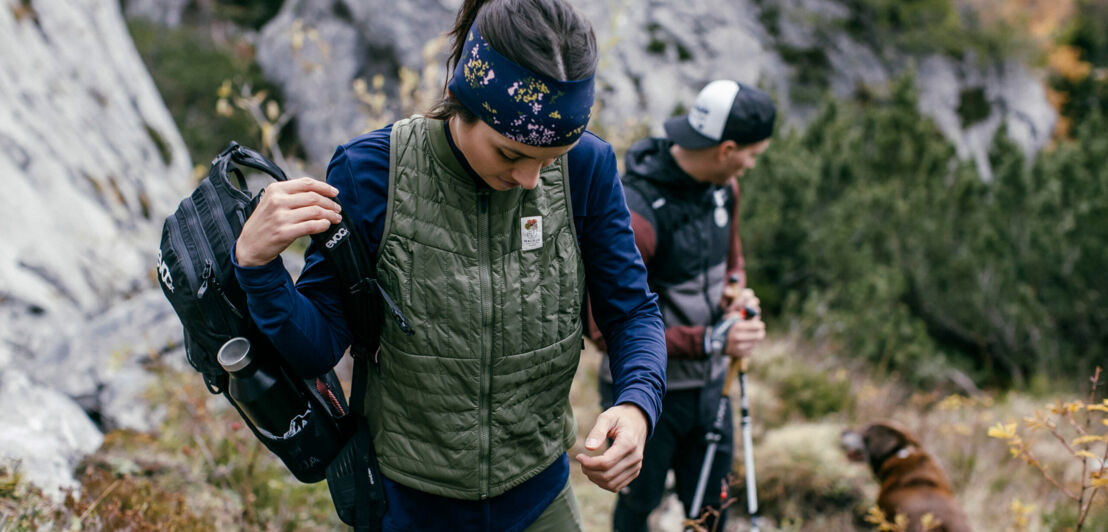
196 274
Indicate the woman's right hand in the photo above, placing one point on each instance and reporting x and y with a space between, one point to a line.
288 210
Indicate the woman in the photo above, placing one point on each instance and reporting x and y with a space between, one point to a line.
488 218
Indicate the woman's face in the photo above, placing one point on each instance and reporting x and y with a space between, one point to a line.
502 162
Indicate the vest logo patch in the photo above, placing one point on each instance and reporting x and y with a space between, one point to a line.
531 232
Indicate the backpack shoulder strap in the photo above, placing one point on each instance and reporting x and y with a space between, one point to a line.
364 300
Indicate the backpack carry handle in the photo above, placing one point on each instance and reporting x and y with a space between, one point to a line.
244 156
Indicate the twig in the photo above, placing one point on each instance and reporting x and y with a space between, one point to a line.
204 450
1042 469
1083 505
92 507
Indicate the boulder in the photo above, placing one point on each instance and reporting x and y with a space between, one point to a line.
43 433
100 362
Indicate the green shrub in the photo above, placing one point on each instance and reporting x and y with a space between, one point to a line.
247 13
869 227
813 393
188 69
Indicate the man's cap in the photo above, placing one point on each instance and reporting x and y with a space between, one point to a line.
724 110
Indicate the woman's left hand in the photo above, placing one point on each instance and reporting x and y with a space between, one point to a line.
625 425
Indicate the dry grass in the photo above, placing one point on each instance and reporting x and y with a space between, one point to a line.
806 484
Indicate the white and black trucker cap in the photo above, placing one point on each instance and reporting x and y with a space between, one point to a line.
724 110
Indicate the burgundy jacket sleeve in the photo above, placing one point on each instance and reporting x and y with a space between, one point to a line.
682 341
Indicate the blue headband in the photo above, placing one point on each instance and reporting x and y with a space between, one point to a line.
524 106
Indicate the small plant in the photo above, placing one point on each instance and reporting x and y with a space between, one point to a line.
259 107
900 522
1071 424
415 91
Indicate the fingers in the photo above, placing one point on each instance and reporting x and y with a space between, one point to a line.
599 432
308 212
288 210
744 336
748 299
306 184
627 426
614 469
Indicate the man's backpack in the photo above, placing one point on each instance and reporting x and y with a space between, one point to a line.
194 266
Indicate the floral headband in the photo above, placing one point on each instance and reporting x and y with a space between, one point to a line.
526 107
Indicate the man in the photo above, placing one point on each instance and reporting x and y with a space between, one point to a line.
683 196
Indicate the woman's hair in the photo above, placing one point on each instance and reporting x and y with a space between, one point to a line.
547 37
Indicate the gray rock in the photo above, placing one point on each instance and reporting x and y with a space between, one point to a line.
43 433
92 163
655 56
1016 99
341 41
165 12
100 363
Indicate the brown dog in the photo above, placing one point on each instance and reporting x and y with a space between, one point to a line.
912 483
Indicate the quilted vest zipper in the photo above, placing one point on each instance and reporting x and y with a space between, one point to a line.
484 407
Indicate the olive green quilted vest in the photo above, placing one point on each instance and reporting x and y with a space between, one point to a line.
477 401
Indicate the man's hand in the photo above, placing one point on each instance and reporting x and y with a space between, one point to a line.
738 333
625 424
743 336
288 210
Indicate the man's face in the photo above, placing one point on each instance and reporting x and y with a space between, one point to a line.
501 162
744 158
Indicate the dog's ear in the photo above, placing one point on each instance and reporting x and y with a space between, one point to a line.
854 445
881 441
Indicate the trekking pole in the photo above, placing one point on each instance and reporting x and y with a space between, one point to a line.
715 434
748 450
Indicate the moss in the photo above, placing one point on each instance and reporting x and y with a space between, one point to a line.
248 13
683 54
769 14
159 142
973 106
656 46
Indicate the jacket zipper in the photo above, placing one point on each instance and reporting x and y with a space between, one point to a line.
484 408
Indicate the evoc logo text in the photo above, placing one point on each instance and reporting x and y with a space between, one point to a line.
337 237
164 273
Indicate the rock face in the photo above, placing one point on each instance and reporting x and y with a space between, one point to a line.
655 56
315 51
92 163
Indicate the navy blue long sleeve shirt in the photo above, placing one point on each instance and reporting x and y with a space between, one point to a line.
306 322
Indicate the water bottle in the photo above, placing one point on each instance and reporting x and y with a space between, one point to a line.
262 391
